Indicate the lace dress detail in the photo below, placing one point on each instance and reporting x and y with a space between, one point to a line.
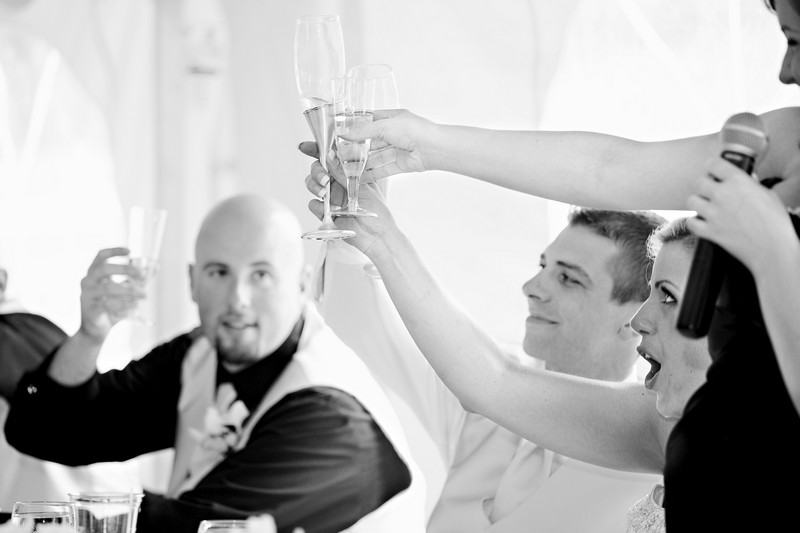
647 515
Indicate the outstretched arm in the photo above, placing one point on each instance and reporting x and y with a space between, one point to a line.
584 168
610 424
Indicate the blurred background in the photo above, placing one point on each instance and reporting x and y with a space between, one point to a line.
179 103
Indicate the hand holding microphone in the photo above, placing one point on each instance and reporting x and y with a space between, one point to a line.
743 140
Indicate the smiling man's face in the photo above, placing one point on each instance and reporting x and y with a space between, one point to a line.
248 280
573 324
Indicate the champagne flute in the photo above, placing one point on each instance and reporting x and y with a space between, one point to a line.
385 83
318 58
34 515
386 96
353 99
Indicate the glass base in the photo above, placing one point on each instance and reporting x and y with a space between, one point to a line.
360 212
328 234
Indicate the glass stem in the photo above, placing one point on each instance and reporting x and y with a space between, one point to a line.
352 194
326 206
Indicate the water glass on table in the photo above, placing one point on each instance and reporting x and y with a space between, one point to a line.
43 516
106 512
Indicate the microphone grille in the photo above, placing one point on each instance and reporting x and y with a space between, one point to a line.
744 133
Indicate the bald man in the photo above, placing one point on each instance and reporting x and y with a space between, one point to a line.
267 410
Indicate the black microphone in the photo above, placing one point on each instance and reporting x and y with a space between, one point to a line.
743 140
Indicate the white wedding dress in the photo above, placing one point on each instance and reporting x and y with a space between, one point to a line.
647 515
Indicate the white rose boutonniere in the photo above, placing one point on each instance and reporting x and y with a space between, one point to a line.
222 422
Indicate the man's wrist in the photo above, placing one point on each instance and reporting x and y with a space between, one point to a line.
89 336
76 359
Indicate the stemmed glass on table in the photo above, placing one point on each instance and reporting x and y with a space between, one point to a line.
318 59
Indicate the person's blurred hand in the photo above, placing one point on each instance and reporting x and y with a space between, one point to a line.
109 293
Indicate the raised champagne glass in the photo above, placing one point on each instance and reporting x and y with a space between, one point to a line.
319 58
353 100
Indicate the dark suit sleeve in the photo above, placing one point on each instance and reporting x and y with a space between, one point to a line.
114 416
25 341
316 460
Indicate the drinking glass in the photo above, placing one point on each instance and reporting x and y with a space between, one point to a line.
386 96
106 512
385 84
145 233
33 515
222 526
319 58
353 100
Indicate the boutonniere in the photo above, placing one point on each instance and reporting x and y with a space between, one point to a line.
222 423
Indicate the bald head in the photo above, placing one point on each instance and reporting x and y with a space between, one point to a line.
242 219
249 277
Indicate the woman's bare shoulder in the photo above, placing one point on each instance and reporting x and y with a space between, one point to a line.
782 118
